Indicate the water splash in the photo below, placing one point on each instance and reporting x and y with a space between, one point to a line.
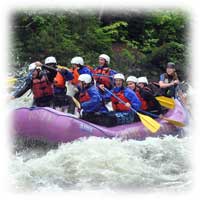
98 163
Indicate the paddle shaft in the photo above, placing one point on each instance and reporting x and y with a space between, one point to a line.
171 121
119 99
102 75
148 113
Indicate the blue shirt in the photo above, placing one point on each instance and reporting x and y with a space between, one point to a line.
95 103
84 70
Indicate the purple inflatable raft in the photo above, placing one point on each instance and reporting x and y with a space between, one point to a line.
49 125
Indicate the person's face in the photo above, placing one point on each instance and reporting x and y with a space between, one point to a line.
102 61
118 82
51 64
131 85
170 71
81 84
141 85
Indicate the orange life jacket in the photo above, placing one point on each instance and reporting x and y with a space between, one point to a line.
59 80
118 106
41 86
105 79
84 96
75 73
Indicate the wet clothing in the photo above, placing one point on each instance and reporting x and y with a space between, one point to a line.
40 81
169 91
104 75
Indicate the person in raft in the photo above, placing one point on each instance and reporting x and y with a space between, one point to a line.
148 100
103 74
91 102
122 112
61 100
40 80
169 81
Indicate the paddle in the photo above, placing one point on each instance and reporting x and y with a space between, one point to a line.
11 80
171 121
166 102
78 105
147 121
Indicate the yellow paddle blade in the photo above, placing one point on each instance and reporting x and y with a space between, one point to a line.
166 102
174 122
149 123
78 105
11 81
62 67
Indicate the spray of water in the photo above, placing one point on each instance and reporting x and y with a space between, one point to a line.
98 163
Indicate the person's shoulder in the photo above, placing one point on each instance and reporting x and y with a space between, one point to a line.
128 90
93 87
162 77
112 71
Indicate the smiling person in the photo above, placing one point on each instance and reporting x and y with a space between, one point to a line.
103 74
131 82
169 80
122 111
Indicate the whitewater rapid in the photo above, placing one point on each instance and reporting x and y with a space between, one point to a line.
100 164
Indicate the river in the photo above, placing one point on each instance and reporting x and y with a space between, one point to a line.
154 164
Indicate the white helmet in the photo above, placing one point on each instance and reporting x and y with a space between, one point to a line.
32 66
119 76
106 57
132 79
50 59
77 60
85 78
142 80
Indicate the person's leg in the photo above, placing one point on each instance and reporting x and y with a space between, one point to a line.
70 103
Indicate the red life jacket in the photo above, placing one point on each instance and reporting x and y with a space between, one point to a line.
118 106
59 80
84 96
145 104
41 87
103 79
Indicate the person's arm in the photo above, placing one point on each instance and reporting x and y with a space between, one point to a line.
67 74
94 103
23 88
148 96
51 74
104 94
162 84
132 97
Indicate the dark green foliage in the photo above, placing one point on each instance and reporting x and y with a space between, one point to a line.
138 43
